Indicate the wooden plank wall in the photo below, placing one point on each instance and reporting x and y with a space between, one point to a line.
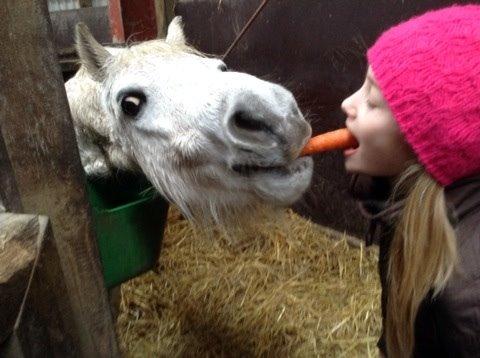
39 142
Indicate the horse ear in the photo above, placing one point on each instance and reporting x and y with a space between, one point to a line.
92 55
175 34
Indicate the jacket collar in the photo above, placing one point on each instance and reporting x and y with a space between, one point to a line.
463 196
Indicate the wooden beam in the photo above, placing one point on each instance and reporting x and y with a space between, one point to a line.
9 195
36 311
165 10
39 139
161 18
85 3
18 239
116 21
169 10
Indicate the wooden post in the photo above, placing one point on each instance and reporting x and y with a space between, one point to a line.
9 196
169 10
39 138
85 3
18 237
36 311
161 19
116 21
165 10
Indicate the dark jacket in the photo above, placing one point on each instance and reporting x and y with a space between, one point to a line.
449 324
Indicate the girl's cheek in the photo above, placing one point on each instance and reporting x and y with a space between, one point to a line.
367 132
377 129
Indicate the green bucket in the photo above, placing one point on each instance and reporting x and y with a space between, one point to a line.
129 219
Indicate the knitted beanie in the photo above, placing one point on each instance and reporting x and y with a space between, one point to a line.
428 69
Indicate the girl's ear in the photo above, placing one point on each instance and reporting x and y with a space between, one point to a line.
92 55
175 33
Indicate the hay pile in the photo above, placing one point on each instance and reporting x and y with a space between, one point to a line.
293 289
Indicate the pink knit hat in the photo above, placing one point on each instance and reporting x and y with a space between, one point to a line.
428 69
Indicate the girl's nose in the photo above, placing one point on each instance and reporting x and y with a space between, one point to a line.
348 107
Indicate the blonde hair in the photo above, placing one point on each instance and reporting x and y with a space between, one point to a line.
423 255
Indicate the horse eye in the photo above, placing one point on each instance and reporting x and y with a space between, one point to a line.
223 67
132 103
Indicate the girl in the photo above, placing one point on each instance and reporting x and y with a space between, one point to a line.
417 121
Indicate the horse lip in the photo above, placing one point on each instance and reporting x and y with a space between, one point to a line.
248 169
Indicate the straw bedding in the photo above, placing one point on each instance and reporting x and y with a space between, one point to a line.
292 288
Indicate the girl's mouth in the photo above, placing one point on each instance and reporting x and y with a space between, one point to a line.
349 152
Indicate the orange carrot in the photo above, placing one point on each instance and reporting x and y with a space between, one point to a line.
338 139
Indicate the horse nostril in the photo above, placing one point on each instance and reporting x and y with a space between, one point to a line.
246 121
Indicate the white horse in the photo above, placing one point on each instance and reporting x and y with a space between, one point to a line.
211 141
